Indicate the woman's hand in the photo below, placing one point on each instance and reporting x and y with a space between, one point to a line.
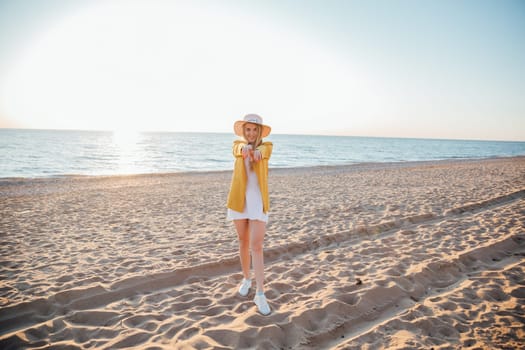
247 151
256 155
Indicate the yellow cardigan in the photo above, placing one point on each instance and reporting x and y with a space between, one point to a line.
236 197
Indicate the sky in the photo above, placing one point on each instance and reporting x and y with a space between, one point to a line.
452 69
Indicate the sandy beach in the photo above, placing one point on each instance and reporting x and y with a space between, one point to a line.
373 256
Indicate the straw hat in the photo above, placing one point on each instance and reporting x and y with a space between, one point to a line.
254 119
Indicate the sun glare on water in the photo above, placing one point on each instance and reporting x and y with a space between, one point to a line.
127 145
126 138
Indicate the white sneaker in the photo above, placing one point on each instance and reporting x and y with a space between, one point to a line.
245 286
262 304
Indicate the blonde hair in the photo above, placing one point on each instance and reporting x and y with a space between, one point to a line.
258 139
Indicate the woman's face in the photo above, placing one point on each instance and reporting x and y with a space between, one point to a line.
250 132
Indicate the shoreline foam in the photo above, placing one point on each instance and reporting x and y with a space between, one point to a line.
348 166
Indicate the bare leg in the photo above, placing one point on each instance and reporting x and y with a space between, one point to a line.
258 229
243 232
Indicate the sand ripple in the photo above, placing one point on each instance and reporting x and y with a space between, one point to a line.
373 256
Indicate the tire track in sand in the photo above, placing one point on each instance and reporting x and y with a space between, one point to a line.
30 315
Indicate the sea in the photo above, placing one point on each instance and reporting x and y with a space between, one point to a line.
27 153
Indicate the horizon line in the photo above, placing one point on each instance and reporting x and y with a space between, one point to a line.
327 134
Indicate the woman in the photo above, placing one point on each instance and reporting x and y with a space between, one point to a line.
248 201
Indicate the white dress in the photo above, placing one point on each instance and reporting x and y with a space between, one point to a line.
253 204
